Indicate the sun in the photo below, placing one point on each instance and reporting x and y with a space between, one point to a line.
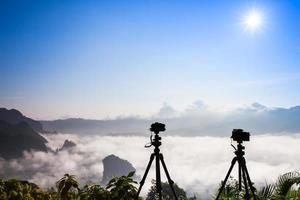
253 21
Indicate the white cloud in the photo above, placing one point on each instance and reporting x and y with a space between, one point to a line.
197 164
197 120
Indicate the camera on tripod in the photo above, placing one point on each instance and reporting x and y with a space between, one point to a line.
155 140
157 127
240 135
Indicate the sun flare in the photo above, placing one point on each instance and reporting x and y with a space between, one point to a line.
253 21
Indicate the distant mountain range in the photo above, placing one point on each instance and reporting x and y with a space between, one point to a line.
125 126
195 121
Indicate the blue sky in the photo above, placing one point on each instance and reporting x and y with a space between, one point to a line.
98 59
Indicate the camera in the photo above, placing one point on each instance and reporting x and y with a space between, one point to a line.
157 127
240 135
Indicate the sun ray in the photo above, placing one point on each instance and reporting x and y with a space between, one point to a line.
253 21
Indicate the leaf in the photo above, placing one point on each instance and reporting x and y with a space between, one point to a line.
285 182
131 174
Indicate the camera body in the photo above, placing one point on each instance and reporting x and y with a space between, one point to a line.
240 135
157 127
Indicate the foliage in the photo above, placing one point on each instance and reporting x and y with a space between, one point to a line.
266 192
231 190
16 190
94 192
167 193
65 185
284 186
124 188
119 188
283 189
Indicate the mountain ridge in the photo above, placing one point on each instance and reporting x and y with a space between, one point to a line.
13 116
195 121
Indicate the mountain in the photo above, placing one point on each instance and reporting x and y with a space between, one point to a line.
115 166
15 138
195 121
14 116
68 144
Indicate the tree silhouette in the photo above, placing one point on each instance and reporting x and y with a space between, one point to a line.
281 190
124 188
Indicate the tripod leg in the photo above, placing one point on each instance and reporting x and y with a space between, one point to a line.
227 176
240 177
247 196
145 175
158 178
171 182
249 180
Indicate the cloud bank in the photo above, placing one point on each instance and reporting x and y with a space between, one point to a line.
197 164
196 120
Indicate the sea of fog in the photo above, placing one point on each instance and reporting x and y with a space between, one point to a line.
197 164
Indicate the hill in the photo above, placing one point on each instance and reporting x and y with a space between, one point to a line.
14 116
15 138
115 166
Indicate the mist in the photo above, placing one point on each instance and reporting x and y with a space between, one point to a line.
197 164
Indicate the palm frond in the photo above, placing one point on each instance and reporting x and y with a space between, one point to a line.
266 192
285 182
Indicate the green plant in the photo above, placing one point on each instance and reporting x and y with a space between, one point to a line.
123 188
94 192
167 193
65 186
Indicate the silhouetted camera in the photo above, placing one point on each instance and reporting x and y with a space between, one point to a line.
157 127
240 135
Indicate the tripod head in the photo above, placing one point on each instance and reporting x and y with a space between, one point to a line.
156 128
239 135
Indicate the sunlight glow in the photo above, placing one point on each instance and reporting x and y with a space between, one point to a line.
253 21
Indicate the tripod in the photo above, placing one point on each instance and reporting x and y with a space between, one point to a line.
158 158
243 172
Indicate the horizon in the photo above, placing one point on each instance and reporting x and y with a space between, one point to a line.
99 60
175 112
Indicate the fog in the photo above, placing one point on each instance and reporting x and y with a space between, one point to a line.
197 164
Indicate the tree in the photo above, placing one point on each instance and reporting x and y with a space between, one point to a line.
94 192
230 191
284 184
167 193
21 190
65 185
266 192
281 190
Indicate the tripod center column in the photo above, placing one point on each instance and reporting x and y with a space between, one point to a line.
157 143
